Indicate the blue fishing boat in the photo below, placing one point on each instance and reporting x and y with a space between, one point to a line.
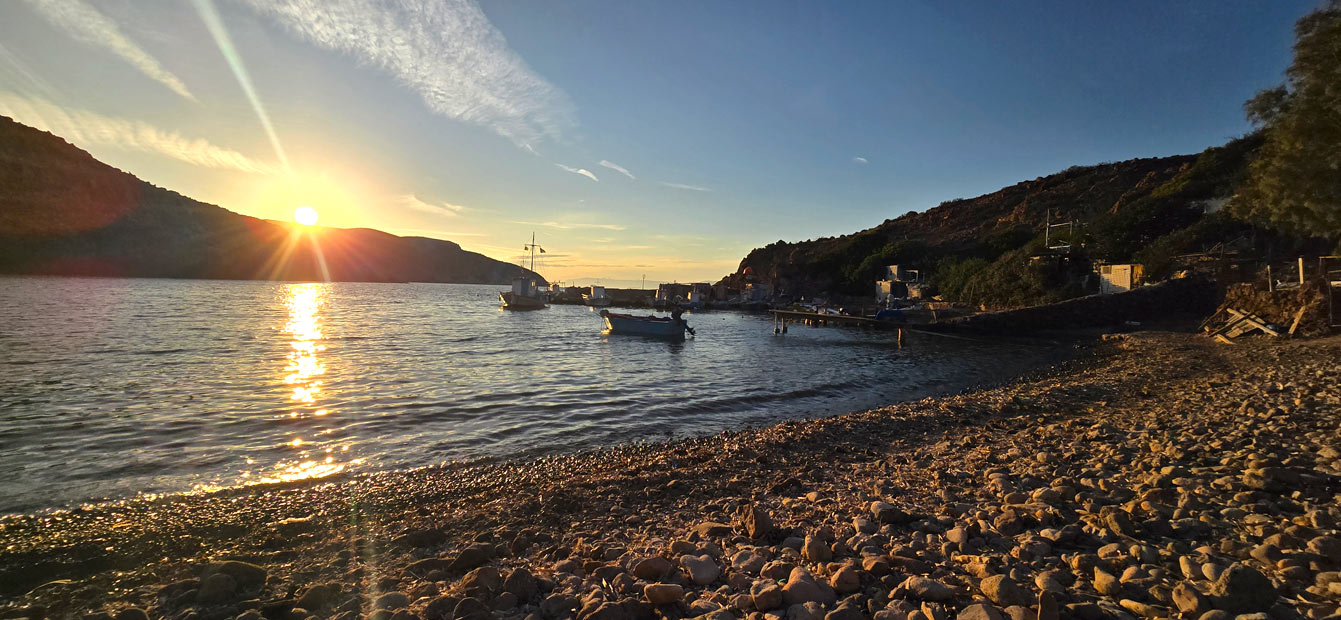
671 328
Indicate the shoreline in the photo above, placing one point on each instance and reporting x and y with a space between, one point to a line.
581 526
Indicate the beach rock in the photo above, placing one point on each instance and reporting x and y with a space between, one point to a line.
132 613
889 514
758 523
1105 583
766 595
1328 547
216 588
1047 607
470 558
422 568
246 575
776 570
521 584
421 538
441 608
747 562
605 611
816 550
1003 591
805 611
317 597
652 568
979 611
802 588
924 589
482 583
557 606
845 580
1189 600
702 569
392 601
1242 589
471 609
663 593
844 612
712 529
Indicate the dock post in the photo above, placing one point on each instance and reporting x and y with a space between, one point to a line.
1301 270
900 337
784 325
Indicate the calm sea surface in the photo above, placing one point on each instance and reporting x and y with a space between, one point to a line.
112 387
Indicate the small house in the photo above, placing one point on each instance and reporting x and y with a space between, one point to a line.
1120 278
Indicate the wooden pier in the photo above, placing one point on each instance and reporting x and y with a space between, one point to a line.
782 317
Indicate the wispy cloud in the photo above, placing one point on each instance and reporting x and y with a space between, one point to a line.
410 201
444 50
617 168
582 171
692 188
860 160
439 234
571 226
90 128
85 23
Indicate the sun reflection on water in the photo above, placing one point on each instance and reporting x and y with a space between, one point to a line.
303 371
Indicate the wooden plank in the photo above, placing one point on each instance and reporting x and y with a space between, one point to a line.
1226 327
1223 339
1298 316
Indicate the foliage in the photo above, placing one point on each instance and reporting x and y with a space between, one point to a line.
1294 185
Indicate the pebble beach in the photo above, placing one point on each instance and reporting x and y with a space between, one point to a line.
1159 475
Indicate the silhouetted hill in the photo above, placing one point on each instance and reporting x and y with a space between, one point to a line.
1146 210
62 212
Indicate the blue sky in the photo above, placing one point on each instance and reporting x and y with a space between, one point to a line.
665 139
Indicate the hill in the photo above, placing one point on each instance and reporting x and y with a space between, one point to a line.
978 249
62 212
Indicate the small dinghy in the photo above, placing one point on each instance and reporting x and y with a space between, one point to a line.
672 328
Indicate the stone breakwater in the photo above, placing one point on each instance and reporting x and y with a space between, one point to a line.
1165 476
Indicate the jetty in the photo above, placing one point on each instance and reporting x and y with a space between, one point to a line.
819 319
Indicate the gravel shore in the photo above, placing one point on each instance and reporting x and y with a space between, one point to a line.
1162 476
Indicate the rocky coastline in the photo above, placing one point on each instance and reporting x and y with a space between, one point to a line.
1161 476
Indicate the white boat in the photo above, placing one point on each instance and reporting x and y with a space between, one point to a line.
596 298
526 293
671 328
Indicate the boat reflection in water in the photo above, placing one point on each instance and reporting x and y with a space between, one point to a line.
672 328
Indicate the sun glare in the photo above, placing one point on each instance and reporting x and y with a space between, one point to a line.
305 215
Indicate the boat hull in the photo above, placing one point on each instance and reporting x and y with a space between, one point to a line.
628 325
512 301
596 302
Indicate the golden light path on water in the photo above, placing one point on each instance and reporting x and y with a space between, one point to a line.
303 372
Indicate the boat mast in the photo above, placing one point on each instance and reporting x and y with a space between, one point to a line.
532 247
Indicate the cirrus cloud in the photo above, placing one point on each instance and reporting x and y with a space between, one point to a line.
447 51
85 23
692 188
86 128
617 168
582 171
410 201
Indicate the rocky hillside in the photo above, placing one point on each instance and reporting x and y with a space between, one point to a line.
63 212
1123 210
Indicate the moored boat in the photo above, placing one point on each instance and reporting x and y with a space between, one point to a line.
597 297
526 293
672 328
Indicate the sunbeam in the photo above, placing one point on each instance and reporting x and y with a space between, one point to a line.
210 16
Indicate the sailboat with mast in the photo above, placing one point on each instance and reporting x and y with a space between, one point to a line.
527 293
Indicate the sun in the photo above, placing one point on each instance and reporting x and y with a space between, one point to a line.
305 215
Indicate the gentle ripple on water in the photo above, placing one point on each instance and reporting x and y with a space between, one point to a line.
112 387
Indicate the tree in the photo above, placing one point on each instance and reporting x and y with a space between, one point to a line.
1295 183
